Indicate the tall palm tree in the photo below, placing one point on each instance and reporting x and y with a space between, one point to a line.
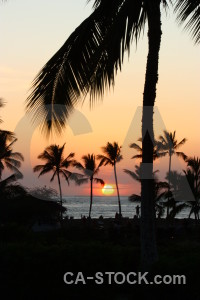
55 162
87 64
112 157
90 170
169 146
8 158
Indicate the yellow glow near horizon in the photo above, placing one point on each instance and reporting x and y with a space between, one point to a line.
108 190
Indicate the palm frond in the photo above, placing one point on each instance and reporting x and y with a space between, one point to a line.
89 163
66 163
113 153
78 165
181 143
137 156
45 170
75 176
160 154
104 160
66 172
86 63
45 155
189 13
52 178
71 155
119 158
66 175
162 185
17 156
81 181
12 161
98 180
132 174
6 135
160 196
11 167
65 78
136 147
134 198
96 171
38 168
182 155
177 209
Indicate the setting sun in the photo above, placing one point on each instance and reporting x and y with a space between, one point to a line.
108 189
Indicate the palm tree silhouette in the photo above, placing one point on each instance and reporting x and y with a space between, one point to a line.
112 157
55 162
87 63
193 176
90 169
175 195
169 146
194 203
8 158
193 164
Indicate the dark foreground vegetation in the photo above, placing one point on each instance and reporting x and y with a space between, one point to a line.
33 263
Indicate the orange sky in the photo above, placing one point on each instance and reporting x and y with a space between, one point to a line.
27 43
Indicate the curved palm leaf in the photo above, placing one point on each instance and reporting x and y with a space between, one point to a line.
45 170
104 160
98 180
134 175
38 168
82 181
136 147
189 13
182 155
134 198
52 178
13 162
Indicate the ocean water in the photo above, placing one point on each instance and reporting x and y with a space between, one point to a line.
106 206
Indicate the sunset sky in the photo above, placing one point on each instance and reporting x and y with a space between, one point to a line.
32 31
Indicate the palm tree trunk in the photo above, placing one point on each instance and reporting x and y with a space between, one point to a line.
91 196
60 190
148 236
119 203
190 213
169 181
